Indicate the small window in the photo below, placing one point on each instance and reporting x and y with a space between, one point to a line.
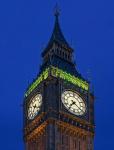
79 144
57 51
65 55
75 144
64 139
68 56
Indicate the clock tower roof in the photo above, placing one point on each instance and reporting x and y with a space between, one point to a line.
57 36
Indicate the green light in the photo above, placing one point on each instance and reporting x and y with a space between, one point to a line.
70 78
59 74
42 77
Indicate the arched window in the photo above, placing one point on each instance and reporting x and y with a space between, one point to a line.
60 52
75 144
57 51
68 56
52 50
65 56
79 145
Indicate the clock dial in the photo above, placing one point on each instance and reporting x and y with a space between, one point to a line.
34 106
73 102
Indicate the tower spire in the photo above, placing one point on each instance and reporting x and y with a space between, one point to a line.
57 35
56 10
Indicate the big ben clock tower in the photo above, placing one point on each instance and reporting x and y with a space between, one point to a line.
58 104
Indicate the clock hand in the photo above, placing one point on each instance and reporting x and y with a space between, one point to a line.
79 107
34 106
74 103
71 104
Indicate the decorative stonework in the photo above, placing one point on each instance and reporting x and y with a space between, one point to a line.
59 73
54 126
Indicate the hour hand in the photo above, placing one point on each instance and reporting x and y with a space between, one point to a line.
71 105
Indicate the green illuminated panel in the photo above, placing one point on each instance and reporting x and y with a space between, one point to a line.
70 78
59 74
42 77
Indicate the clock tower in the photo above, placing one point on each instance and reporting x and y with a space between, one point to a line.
58 104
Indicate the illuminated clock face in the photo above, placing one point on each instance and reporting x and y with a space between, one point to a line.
73 102
34 106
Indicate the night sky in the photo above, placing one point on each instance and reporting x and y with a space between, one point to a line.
25 28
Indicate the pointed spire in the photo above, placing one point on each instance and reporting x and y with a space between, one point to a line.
56 10
57 35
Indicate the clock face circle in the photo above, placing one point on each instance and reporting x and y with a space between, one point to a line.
34 106
73 102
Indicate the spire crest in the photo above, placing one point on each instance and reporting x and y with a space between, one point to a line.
56 10
57 35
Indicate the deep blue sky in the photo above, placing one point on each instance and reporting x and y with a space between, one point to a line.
25 28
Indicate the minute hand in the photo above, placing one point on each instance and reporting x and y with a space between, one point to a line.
79 107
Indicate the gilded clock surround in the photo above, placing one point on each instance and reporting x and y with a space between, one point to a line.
73 102
34 106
